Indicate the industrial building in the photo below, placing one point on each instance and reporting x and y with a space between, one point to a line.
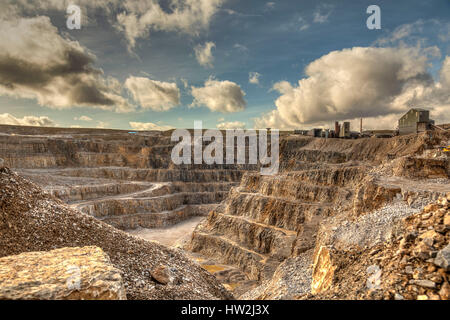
344 131
414 121
316 132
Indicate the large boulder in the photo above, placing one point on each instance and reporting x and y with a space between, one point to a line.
67 273
443 258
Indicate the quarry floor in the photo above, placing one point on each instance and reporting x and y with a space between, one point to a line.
124 196
178 235
173 236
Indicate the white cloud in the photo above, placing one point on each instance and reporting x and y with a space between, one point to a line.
444 32
221 96
42 121
185 83
231 125
322 13
153 94
102 125
186 16
149 126
253 77
83 118
402 32
137 18
416 33
297 23
359 82
37 63
203 54
240 47
300 23
303 25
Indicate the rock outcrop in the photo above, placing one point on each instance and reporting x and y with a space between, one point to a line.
61 274
421 167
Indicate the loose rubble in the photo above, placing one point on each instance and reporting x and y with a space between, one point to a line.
413 265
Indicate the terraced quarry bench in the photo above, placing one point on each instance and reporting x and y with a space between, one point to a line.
126 180
259 231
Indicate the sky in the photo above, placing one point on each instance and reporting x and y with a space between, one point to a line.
152 64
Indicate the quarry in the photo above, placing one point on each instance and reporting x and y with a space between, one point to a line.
364 218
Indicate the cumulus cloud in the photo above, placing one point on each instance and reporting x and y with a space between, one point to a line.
83 118
185 16
9 8
401 32
231 125
37 63
253 77
42 121
149 126
359 82
135 18
221 96
152 94
203 54
416 33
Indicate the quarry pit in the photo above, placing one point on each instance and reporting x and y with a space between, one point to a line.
254 236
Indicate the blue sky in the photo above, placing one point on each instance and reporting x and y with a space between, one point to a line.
276 40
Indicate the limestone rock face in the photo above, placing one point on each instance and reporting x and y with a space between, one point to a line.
68 273
415 167
323 270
